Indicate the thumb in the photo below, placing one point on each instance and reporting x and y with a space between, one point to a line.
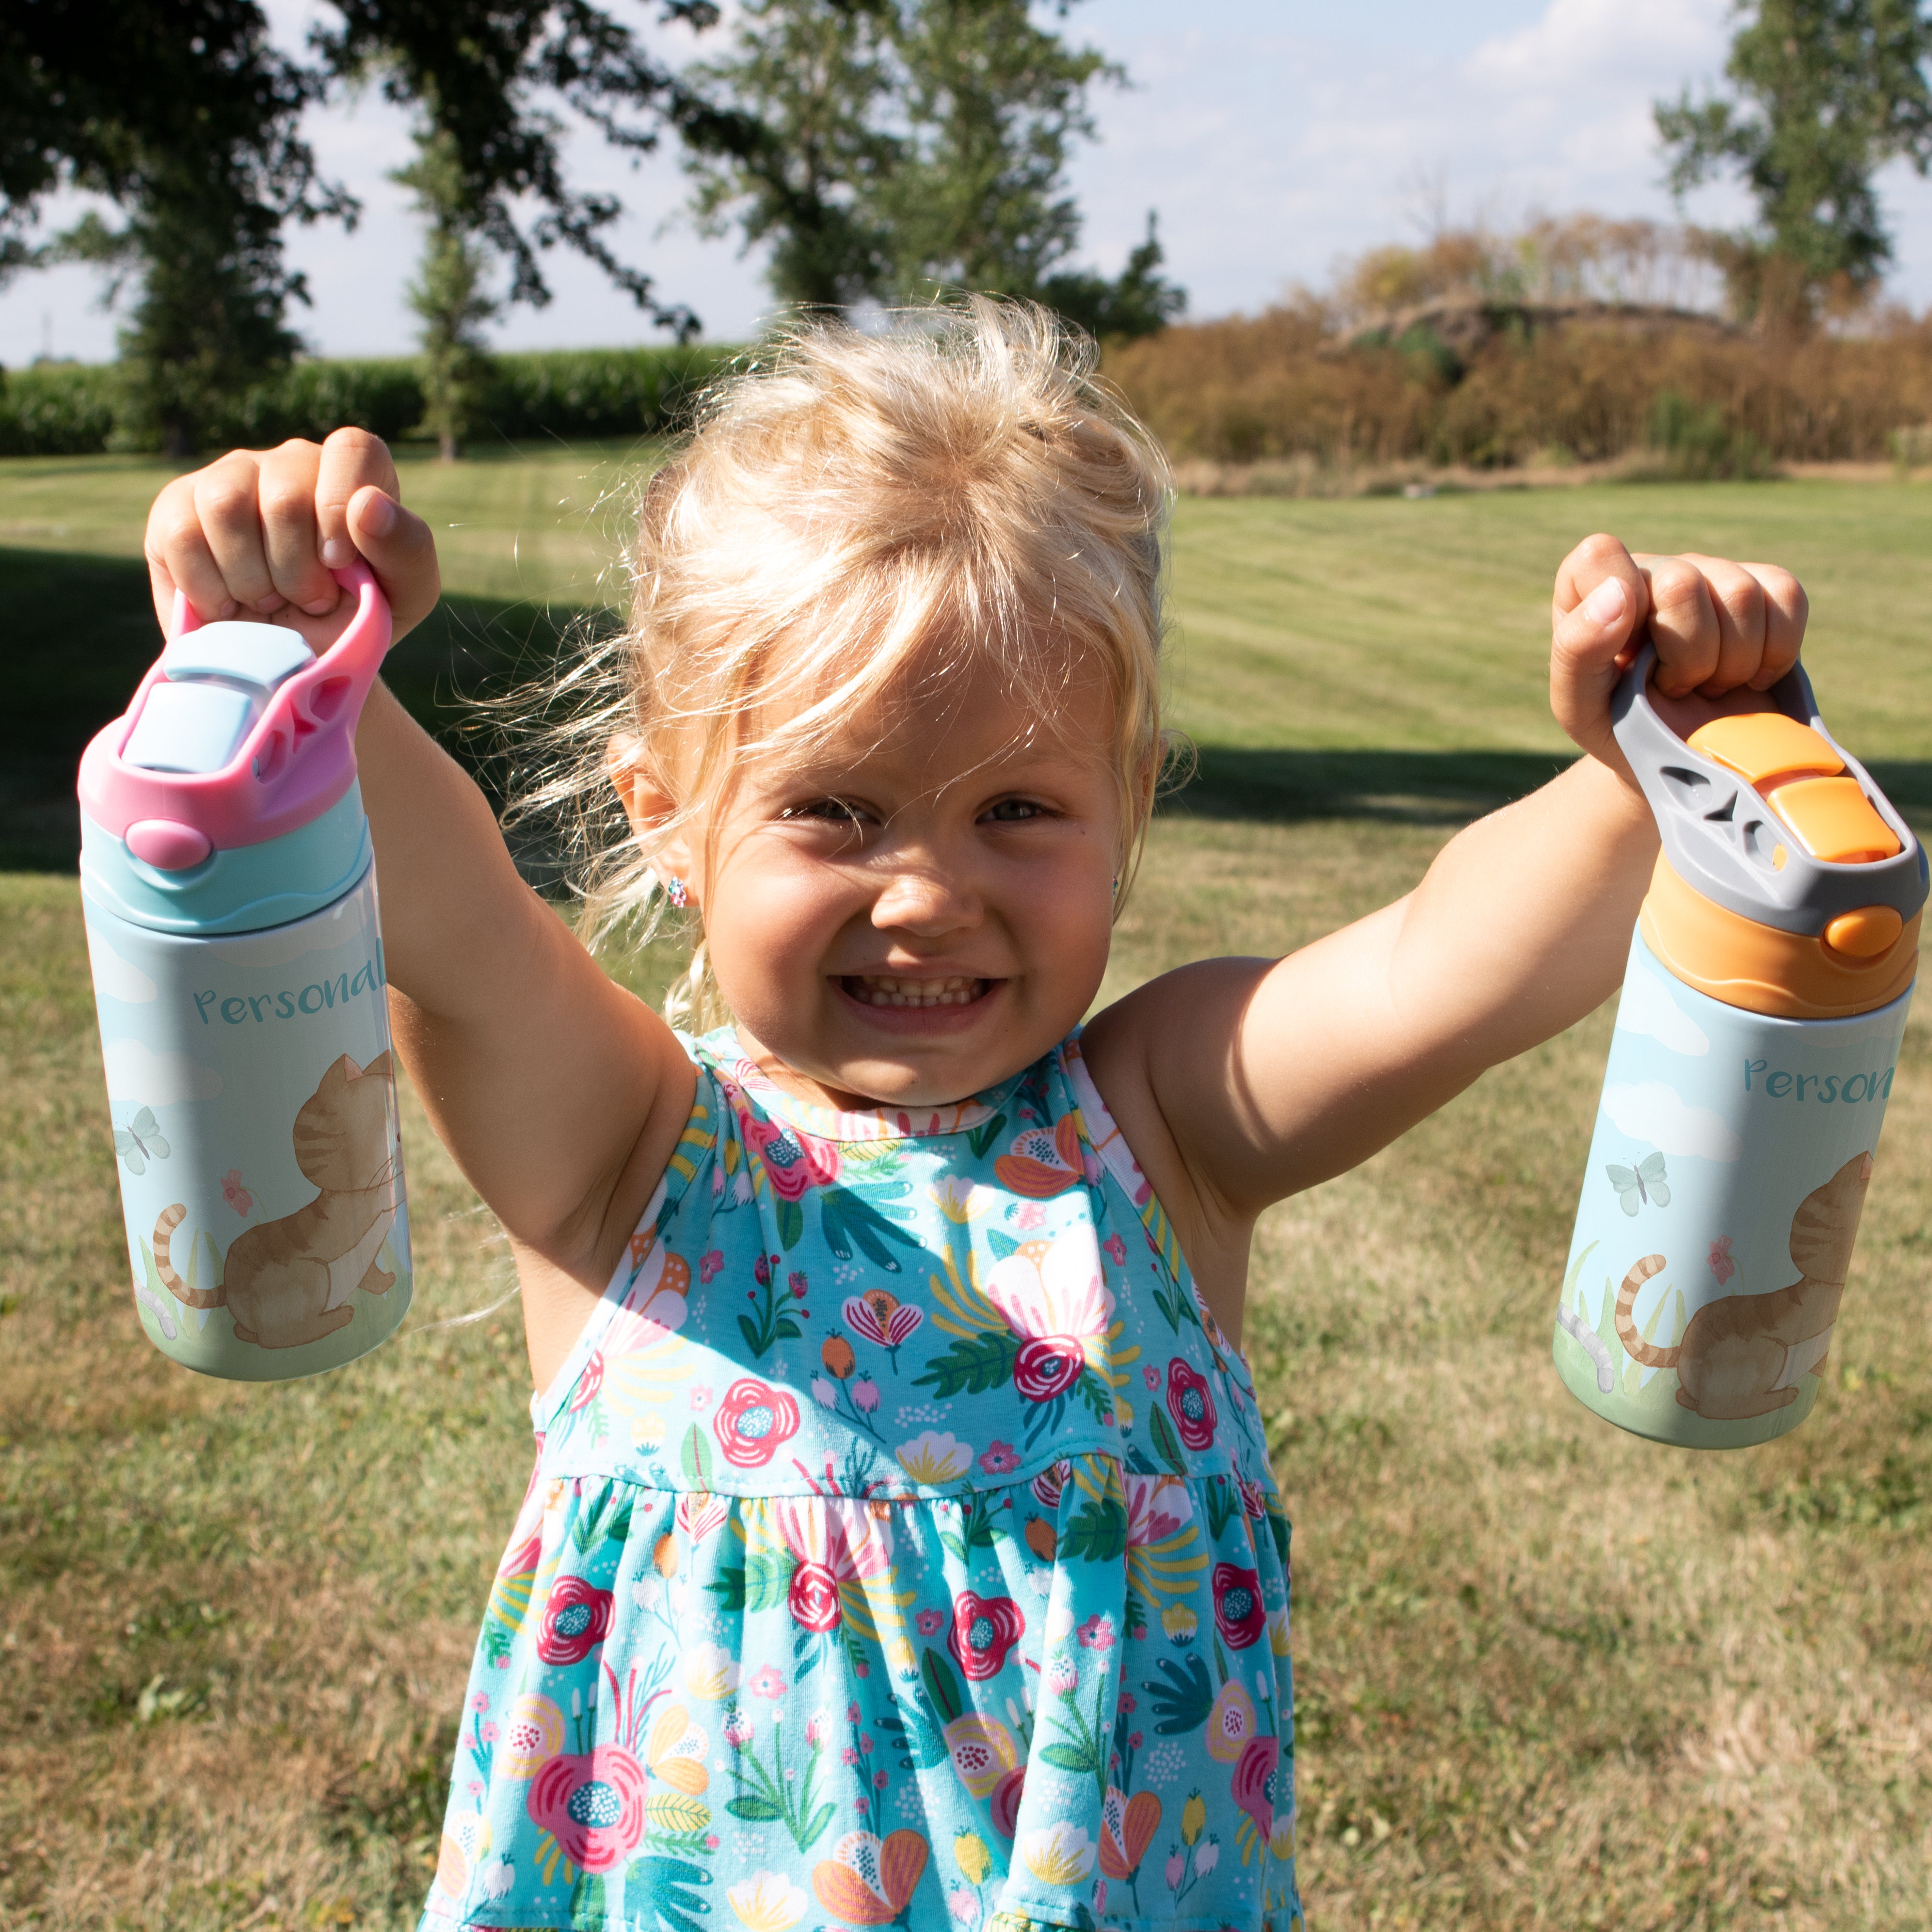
397 545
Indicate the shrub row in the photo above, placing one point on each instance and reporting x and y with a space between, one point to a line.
1282 385
75 409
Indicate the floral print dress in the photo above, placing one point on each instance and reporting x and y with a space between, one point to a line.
901 1552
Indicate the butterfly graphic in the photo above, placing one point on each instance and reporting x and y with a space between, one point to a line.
140 1141
1645 1184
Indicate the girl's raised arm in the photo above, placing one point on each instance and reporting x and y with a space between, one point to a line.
561 1095
1240 1081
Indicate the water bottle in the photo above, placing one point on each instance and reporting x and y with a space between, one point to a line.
1756 1039
229 889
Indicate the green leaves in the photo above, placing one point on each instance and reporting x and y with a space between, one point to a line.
754 1808
850 1218
791 1223
768 1579
1182 1698
941 1686
972 1366
1063 1756
1166 1444
696 1457
981 1138
1098 1532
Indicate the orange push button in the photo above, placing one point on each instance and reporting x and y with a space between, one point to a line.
1834 820
1762 746
1865 934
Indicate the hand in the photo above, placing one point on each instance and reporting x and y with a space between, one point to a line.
1725 634
255 535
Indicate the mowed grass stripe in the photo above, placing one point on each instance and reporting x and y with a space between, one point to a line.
1548 1674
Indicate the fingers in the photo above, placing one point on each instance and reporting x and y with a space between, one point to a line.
399 548
350 460
1599 603
257 533
1786 610
1720 625
286 497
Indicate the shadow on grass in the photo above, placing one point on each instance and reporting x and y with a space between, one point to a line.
81 632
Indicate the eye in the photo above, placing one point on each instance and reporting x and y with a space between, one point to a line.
840 811
1014 811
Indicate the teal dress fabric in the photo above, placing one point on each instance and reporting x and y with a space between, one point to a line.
901 1552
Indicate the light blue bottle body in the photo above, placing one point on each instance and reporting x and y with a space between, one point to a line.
1716 1126
259 1052
244 1014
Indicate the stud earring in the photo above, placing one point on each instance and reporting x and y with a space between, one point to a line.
677 892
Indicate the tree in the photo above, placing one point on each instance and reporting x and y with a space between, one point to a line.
479 70
906 145
448 294
811 79
1824 92
184 114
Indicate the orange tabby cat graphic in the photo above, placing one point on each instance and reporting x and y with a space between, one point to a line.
289 1282
1745 1355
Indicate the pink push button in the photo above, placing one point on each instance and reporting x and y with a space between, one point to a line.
167 845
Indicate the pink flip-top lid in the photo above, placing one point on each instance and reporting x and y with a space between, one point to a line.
296 759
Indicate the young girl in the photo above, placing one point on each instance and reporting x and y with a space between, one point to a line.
902 1548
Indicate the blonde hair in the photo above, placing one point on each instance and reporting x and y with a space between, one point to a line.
846 502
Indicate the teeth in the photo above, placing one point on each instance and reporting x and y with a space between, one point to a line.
883 989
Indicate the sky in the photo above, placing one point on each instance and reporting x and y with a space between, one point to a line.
1273 137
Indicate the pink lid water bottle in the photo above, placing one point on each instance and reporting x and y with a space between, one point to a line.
229 892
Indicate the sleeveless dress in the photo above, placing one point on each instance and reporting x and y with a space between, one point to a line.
901 1551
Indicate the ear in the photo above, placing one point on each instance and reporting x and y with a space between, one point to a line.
648 805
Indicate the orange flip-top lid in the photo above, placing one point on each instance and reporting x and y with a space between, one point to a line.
1801 777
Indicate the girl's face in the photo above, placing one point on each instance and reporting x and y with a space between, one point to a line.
926 909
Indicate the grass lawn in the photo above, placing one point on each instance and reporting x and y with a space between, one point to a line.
1548 1674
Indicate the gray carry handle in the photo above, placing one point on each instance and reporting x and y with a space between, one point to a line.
1719 834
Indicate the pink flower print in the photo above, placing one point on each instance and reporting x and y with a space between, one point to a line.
1031 1217
1097 1632
480 1702
929 1622
766 1682
753 1419
848 1755
594 1804
576 1619
737 1731
879 1316
709 1265
793 1162
999 1458
1052 1297
1047 1486
490 1733
1177 1868
237 1196
700 1396
1151 1375
1722 1265
1117 1250
866 1394
1063 1674
815 1726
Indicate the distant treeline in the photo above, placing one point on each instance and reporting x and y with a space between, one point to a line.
1502 382
78 409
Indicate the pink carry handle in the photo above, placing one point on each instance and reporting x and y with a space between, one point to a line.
296 761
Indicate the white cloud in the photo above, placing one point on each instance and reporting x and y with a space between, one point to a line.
1648 1008
137 1076
1650 1111
117 978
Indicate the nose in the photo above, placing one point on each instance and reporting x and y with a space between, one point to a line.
924 898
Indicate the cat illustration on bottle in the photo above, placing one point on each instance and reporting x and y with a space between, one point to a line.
289 1282
1746 1355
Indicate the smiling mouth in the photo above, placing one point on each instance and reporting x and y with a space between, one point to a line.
886 989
